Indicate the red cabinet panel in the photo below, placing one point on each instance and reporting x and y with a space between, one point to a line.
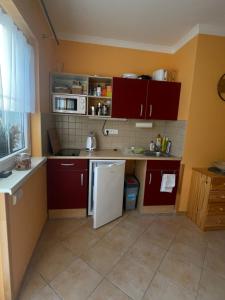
155 170
129 98
163 100
145 99
67 183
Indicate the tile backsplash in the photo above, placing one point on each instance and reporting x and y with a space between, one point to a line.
73 131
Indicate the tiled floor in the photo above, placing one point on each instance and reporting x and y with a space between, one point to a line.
164 257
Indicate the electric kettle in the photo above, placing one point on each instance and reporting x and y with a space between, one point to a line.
91 142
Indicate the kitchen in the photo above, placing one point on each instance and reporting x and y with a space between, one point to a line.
201 114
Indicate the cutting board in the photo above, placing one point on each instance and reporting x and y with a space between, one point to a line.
54 140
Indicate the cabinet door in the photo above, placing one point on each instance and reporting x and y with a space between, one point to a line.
163 100
67 188
152 195
129 98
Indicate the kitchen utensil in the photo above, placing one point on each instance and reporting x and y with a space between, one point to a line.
54 140
91 142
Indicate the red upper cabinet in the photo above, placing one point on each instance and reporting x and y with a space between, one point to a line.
129 98
145 99
163 100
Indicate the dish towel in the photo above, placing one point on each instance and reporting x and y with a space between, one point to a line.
168 183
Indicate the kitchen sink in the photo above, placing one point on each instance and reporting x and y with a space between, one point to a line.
156 154
68 152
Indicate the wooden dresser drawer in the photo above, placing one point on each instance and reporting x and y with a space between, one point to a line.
216 209
218 183
217 196
215 221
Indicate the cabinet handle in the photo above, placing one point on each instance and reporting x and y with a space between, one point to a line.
150 178
150 110
67 165
221 208
141 112
223 196
82 179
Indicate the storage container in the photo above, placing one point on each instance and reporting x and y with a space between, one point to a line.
131 188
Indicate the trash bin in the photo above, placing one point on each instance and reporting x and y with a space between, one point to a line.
131 188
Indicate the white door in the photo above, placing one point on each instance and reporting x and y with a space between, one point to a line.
108 192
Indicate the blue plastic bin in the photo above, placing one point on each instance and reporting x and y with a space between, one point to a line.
131 188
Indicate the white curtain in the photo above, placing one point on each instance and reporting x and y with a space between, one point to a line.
17 72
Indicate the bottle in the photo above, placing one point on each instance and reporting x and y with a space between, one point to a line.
98 92
152 146
99 109
168 148
158 142
164 143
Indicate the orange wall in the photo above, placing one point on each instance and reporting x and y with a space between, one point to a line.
184 61
205 138
74 57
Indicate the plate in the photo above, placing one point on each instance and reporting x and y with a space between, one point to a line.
130 75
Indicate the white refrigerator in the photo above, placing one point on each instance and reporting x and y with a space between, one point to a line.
106 183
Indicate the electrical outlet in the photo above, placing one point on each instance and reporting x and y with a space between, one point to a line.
110 131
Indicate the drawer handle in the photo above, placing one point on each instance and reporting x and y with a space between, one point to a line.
82 179
221 209
150 110
150 178
67 165
223 196
141 112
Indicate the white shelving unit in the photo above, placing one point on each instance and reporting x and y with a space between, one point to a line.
61 84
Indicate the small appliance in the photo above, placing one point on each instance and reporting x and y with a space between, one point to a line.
69 104
163 75
91 142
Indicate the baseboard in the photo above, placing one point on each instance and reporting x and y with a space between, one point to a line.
67 213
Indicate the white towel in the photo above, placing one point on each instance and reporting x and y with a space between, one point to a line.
168 183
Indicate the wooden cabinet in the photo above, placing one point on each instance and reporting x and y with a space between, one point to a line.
206 206
129 98
163 100
145 99
154 173
67 183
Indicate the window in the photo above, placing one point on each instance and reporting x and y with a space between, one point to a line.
13 132
17 87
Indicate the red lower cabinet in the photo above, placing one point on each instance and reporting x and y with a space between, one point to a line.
67 183
154 173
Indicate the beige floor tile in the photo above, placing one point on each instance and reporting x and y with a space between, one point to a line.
215 260
160 234
147 253
182 273
77 282
107 291
189 253
138 220
131 277
191 237
101 257
211 287
46 293
32 283
162 288
216 240
81 240
54 261
120 238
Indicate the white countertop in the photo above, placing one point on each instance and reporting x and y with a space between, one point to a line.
10 184
112 154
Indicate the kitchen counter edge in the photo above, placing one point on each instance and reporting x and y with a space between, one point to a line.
110 154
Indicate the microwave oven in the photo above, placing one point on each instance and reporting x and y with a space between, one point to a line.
69 104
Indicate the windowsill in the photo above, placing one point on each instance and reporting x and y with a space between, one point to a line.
11 184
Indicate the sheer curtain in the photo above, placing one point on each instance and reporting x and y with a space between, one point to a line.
17 73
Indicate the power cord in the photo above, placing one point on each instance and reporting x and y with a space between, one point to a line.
103 129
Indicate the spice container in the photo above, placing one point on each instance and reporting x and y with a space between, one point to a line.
23 162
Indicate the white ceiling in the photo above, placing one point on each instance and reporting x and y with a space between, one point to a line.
160 25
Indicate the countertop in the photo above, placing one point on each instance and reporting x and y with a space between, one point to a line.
11 184
112 154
